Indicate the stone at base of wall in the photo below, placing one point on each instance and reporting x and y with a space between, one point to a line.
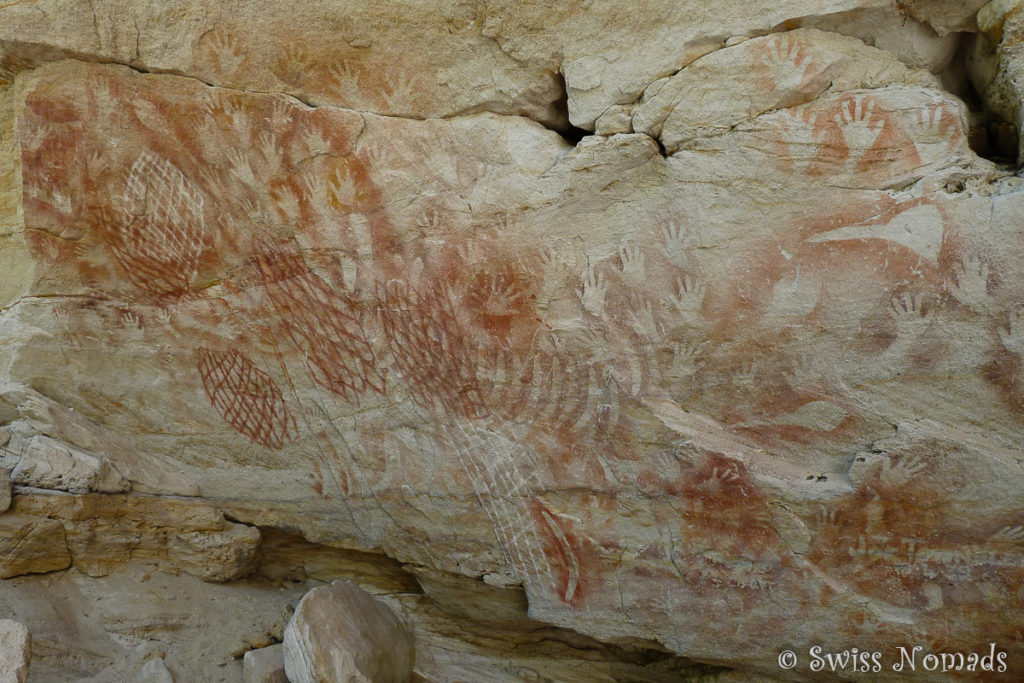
341 633
265 665
15 651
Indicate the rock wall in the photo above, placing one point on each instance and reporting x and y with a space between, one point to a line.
682 334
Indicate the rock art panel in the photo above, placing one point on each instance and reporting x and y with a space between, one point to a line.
755 353
777 71
245 396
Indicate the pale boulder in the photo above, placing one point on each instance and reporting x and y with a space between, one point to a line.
265 665
155 671
341 633
614 120
15 651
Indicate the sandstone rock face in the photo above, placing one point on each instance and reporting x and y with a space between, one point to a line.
776 72
30 545
47 463
693 330
15 651
341 633
100 532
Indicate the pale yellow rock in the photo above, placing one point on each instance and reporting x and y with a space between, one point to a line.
994 14
404 59
996 62
914 43
635 295
454 58
121 466
610 53
106 530
218 556
31 545
110 627
15 268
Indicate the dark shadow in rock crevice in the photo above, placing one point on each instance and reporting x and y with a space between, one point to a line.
992 134
570 133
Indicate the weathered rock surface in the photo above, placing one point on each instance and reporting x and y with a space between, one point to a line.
108 628
31 545
47 463
413 59
5 490
15 651
105 461
341 633
741 372
998 58
155 671
265 665
102 531
734 85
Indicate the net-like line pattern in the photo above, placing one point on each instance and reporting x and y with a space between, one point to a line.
492 464
246 397
551 391
161 238
321 322
433 355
